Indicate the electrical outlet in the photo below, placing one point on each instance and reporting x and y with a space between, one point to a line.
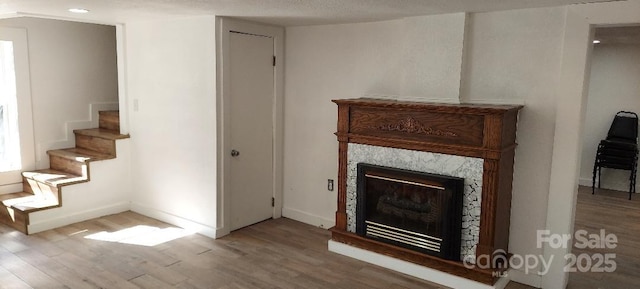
330 185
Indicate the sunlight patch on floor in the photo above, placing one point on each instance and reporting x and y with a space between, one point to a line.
141 235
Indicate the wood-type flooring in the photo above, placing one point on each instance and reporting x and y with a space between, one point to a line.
128 250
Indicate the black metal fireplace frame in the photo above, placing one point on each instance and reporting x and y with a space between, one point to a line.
452 226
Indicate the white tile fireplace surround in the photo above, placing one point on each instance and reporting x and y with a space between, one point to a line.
468 168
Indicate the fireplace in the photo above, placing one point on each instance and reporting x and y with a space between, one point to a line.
415 142
410 209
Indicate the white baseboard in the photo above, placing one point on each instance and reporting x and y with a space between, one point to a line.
307 218
412 269
585 182
533 280
624 187
10 188
221 232
175 220
52 223
42 161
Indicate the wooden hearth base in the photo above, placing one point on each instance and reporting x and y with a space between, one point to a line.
452 267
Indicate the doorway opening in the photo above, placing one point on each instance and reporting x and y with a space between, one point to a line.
612 87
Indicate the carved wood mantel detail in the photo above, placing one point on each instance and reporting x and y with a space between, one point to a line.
481 131
410 125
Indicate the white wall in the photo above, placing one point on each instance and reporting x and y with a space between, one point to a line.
510 57
614 86
171 76
72 65
415 57
514 57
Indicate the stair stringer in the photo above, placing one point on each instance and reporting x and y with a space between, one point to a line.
42 160
107 192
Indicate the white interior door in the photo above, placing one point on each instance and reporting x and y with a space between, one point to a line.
251 128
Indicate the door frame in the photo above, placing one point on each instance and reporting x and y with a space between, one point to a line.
12 181
224 26
571 97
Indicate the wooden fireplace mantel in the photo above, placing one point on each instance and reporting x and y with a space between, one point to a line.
481 131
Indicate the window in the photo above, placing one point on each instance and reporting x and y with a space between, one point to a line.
17 151
9 135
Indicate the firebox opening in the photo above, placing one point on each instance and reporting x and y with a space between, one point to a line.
413 210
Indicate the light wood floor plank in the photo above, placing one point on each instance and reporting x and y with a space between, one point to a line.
149 282
613 212
26 271
9 280
273 254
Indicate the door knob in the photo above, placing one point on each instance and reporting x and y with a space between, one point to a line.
235 153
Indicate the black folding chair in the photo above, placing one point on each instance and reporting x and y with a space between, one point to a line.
619 150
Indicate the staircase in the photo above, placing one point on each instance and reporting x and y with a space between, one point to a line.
42 189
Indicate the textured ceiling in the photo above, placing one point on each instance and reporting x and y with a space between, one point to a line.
278 12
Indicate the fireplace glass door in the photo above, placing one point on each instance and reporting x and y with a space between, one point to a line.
414 210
